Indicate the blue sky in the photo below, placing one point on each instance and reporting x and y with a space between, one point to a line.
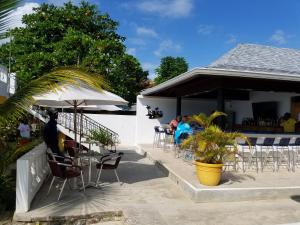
200 30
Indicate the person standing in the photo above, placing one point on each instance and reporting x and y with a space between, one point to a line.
51 134
288 123
24 131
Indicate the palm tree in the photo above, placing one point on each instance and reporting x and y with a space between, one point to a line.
6 7
15 106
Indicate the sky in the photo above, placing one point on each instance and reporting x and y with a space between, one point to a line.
198 30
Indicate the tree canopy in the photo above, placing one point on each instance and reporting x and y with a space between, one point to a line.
73 36
170 67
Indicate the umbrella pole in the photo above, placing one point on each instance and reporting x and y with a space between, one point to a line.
81 129
75 121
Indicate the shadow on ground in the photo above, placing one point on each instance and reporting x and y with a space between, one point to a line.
231 177
296 198
132 170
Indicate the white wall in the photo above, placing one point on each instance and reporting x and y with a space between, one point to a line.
32 169
244 108
124 125
145 126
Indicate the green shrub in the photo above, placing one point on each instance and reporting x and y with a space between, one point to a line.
103 137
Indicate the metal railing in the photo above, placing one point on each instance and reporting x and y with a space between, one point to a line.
85 125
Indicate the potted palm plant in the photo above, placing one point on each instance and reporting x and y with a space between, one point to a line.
211 147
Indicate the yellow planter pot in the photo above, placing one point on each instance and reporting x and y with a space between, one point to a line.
209 174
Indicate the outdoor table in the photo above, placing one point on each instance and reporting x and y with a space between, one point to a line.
91 154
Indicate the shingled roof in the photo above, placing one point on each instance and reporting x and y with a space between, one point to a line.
260 58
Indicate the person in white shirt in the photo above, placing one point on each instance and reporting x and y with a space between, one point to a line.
24 129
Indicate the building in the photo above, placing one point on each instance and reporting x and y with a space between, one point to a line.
7 83
254 84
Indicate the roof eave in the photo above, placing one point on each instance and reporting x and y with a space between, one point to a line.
220 72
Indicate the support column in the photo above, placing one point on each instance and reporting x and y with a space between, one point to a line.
221 107
220 100
178 106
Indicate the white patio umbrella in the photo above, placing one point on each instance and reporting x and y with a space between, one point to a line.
78 96
101 107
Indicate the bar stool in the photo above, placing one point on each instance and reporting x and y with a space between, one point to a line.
295 149
158 136
249 152
265 148
282 153
169 138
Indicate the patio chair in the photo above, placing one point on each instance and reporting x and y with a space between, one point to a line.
267 153
169 138
65 172
71 148
282 153
73 151
109 162
158 137
58 158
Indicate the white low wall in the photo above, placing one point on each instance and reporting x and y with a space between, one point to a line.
124 125
32 169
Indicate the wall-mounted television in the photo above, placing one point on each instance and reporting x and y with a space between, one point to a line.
265 110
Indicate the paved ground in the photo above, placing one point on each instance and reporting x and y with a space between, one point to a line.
148 197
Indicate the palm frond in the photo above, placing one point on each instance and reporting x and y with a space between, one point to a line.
205 121
6 8
14 106
215 115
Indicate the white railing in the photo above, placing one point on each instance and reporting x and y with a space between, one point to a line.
32 169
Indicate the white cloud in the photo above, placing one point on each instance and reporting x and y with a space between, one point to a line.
167 8
61 2
151 68
131 51
144 31
17 14
137 41
279 37
167 45
205 29
232 39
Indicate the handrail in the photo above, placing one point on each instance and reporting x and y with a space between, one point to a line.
87 125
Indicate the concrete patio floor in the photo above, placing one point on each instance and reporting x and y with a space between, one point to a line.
148 196
235 186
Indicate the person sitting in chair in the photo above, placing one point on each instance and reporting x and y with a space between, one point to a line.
174 123
182 128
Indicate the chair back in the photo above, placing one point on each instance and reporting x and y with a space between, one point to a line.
50 156
70 147
55 169
69 144
168 131
118 159
158 129
268 141
284 141
252 141
297 141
